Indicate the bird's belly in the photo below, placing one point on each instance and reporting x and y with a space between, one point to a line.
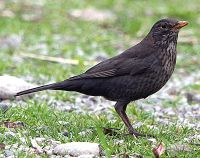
137 87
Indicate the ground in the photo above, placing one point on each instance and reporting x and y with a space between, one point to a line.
65 29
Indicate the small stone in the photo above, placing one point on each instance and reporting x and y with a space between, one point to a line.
55 143
36 146
8 153
10 85
137 125
49 152
4 107
65 134
12 41
179 148
85 133
118 142
193 97
14 146
64 123
153 127
10 134
192 138
87 156
152 140
78 148
23 140
25 149
40 140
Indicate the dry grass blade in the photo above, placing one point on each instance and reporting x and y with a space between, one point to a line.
55 59
49 58
8 124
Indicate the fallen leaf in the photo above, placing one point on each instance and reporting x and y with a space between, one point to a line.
2 146
158 151
13 124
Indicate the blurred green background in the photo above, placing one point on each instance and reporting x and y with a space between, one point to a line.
87 31
57 28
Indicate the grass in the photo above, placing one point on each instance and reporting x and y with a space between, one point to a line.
42 121
59 35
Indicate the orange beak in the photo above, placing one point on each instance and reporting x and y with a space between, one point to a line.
180 24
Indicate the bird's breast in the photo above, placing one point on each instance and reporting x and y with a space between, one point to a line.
167 62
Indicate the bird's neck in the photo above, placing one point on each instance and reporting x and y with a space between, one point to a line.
166 42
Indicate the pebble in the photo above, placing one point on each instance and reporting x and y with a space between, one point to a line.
8 153
85 133
55 143
152 141
65 134
179 148
12 41
4 107
137 125
10 85
192 138
10 134
78 148
36 146
118 142
87 156
40 140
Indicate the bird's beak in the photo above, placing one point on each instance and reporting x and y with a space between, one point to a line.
180 24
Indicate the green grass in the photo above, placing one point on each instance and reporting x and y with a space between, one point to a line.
42 121
133 20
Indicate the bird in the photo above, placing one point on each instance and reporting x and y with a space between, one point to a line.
136 73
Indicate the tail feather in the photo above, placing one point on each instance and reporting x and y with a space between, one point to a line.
53 86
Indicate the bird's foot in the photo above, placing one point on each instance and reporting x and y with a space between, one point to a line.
137 134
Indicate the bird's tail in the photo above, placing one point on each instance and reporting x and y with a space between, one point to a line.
53 86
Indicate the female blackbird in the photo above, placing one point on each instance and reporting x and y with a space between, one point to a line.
136 73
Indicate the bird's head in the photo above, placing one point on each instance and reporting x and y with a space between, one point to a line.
166 31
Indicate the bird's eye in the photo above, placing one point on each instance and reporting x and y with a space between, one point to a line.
163 26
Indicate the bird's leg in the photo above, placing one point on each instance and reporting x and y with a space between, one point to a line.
120 108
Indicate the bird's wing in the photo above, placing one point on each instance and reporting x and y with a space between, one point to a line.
103 69
116 67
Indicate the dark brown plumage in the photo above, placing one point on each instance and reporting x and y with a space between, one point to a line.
136 73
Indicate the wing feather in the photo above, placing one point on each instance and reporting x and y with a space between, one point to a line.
117 67
101 74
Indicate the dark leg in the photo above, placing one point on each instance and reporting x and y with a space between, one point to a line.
120 108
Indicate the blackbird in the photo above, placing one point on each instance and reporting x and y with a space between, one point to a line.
134 74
